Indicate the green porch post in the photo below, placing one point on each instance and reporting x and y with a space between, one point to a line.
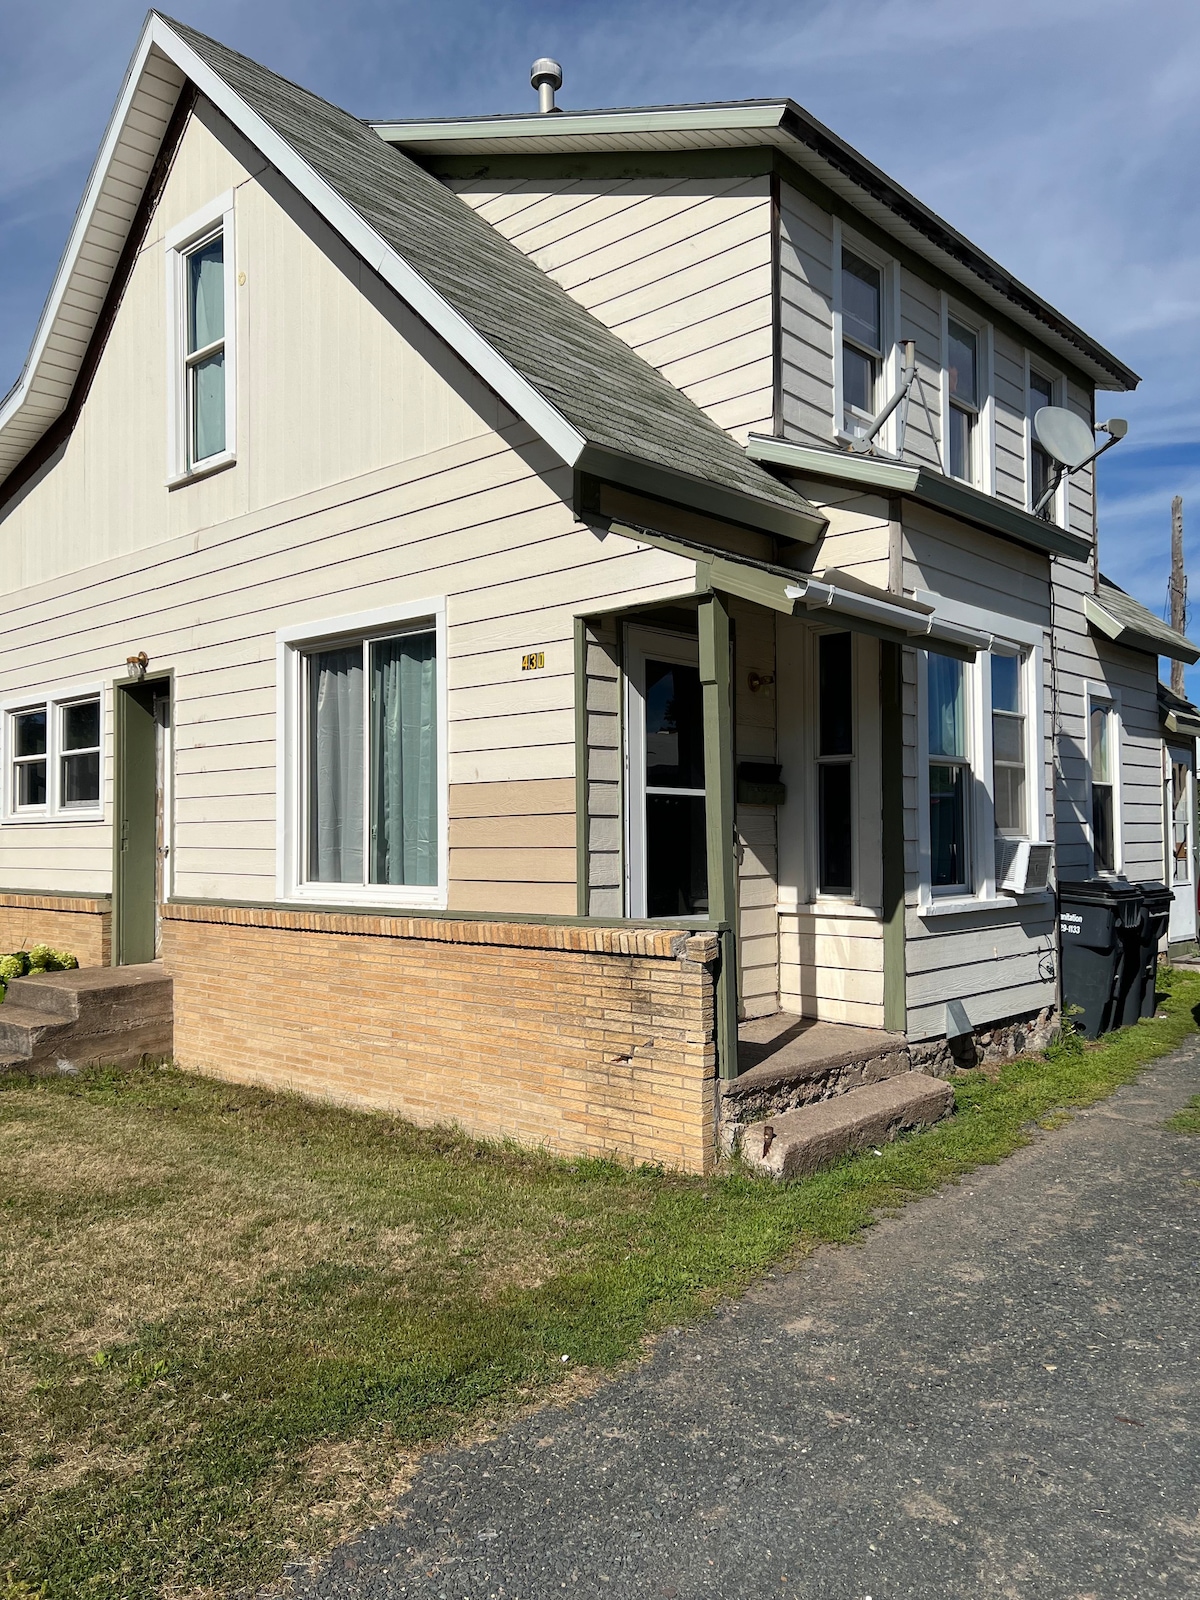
719 815
891 693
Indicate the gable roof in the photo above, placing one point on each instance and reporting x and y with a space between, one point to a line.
798 135
1124 620
601 407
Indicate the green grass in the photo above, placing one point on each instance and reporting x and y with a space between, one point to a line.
1187 1120
231 1321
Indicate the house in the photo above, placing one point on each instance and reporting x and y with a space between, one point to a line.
472 609
1180 721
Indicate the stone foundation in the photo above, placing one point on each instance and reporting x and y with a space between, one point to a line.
81 924
995 1041
582 1039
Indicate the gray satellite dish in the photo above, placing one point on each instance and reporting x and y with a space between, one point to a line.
1064 437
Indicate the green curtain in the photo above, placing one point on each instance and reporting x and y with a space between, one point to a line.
404 819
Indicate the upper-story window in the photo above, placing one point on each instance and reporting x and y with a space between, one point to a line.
200 289
962 423
1041 467
862 339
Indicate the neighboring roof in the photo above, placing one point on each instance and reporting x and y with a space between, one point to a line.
923 485
787 127
835 594
599 405
1124 620
1176 714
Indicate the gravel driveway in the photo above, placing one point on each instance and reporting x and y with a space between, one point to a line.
995 1395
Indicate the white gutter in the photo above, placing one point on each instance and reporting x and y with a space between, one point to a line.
903 619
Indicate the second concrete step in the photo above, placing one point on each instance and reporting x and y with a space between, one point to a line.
796 1143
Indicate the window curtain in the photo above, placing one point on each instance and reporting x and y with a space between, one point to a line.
336 765
404 823
947 708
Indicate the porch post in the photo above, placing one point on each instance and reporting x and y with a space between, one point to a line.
891 694
719 799
582 841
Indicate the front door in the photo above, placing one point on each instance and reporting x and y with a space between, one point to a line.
1182 793
141 776
666 844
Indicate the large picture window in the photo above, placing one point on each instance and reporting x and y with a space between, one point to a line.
54 757
371 761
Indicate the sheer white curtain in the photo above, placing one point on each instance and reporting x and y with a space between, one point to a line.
404 820
335 784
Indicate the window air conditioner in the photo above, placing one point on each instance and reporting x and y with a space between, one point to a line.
1023 867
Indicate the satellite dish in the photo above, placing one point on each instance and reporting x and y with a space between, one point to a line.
1064 436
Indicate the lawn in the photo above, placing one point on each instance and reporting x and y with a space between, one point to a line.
231 1320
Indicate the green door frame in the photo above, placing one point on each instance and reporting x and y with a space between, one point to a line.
135 841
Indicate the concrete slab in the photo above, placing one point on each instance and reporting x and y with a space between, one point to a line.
799 1142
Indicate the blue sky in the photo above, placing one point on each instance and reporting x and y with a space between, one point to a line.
1062 136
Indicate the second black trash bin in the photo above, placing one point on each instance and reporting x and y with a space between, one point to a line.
1096 918
1157 898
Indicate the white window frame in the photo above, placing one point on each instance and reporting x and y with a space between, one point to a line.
889 322
1095 694
659 645
983 464
291 645
1058 504
1011 635
53 701
214 218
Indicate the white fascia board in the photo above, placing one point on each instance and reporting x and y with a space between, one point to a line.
517 393
520 395
865 471
584 124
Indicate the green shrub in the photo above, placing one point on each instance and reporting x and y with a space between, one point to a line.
42 958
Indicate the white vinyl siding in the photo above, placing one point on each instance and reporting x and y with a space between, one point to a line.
680 268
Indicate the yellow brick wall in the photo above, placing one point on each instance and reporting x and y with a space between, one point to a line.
80 925
580 1039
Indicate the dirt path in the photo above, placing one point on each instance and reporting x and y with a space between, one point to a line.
998 1394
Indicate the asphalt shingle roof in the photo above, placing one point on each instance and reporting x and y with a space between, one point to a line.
607 392
1130 614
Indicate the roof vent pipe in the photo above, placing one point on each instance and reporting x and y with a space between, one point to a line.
546 76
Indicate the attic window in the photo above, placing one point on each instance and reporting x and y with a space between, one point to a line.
201 338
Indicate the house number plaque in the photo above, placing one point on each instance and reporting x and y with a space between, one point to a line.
534 661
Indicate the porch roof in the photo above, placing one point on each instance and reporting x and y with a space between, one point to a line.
841 596
1177 715
1124 620
924 486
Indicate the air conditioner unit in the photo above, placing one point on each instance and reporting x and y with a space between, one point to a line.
1023 867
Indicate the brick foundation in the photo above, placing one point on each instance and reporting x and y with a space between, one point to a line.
80 924
586 1040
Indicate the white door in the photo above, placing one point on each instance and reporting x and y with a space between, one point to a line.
1182 795
666 845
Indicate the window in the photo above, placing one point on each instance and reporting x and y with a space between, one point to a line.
962 423
1008 746
862 339
949 774
1041 467
1102 737
201 297
835 756
54 761
371 761
668 845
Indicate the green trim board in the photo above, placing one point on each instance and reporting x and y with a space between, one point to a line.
582 853
891 696
925 487
720 815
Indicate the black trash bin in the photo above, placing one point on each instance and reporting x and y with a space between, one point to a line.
1099 926
1157 898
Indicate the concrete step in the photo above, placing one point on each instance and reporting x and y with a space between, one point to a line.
61 1021
799 1142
